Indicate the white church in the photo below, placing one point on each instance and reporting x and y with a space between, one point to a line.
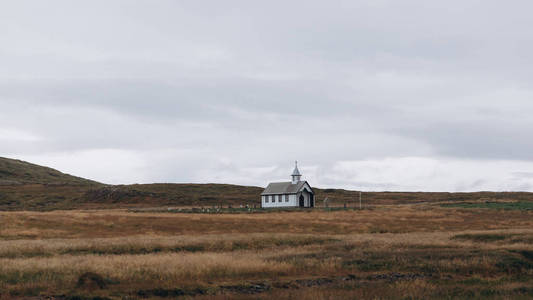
295 193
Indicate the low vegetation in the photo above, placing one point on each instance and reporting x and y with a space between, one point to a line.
518 205
209 242
25 186
17 172
416 251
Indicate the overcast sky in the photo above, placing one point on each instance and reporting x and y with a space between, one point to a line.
372 95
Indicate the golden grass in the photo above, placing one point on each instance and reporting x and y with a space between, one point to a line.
113 223
169 268
141 253
142 244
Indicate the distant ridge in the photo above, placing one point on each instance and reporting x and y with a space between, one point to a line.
15 172
27 186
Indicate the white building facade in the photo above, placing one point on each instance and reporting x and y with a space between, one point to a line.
296 193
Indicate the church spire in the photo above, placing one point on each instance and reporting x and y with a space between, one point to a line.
296 176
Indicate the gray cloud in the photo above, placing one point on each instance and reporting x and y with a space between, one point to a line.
235 91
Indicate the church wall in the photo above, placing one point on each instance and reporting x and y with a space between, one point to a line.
292 201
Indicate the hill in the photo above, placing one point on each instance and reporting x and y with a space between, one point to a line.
15 172
26 186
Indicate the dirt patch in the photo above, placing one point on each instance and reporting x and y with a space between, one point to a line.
398 276
92 281
253 288
63 297
245 288
314 282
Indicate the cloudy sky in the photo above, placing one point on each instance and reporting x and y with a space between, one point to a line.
372 95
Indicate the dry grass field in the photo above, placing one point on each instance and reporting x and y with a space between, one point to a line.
418 251
64 237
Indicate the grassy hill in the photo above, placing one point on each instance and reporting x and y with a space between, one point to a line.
14 172
26 186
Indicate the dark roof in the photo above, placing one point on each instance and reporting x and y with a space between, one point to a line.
284 188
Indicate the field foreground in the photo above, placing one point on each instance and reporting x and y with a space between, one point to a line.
399 251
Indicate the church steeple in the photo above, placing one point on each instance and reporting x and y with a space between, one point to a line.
296 176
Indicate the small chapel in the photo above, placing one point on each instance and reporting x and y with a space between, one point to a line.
295 193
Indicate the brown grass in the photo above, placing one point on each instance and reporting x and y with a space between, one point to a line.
387 219
45 194
416 251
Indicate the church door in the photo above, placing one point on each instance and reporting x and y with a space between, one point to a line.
301 200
